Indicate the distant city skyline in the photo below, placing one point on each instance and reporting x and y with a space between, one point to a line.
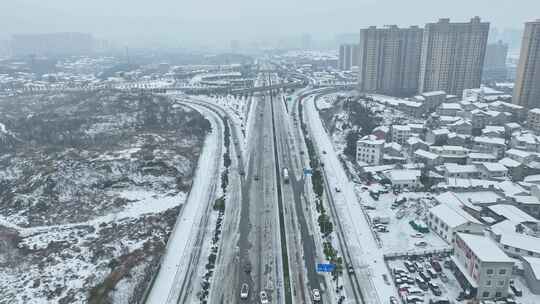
173 23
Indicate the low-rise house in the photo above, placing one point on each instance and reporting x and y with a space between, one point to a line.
497 118
452 170
494 171
411 108
533 119
529 203
478 118
455 139
520 156
427 158
400 133
531 273
451 154
511 127
481 266
525 141
415 143
449 109
493 131
403 178
461 126
431 100
370 150
494 145
518 112
446 221
517 244
438 136
476 158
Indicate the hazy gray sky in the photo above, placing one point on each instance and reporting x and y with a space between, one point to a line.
174 21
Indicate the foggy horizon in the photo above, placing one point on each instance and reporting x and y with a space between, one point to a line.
170 23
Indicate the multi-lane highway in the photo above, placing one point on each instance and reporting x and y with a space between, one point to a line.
270 235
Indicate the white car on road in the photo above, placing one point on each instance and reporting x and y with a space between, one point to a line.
244 291
264 297
316 295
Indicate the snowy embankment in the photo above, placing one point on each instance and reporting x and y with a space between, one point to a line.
367 256
166 287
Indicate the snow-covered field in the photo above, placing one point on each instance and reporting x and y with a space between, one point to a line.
90 187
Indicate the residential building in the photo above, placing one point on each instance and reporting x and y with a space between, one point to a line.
533 119
517 244
446 221
404 178
453 56
348 56
476 158
389 60
427 158
431 100
451 154
526 88
493 145
493 171
482 266
495 62
369 150
531 272
449 109
437 136
453 171
400 133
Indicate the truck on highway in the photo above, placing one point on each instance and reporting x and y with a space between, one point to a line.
286 175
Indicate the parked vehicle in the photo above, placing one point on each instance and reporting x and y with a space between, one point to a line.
447 264
414 299
417 235
410 266
432 273
381 220
393 300
436 265
244 291
421 283
443 277
439 301
435 288
421 244
424 276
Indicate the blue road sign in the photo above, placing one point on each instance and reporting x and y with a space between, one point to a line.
325 267
308 171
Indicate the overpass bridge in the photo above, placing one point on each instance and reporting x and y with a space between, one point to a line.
166 89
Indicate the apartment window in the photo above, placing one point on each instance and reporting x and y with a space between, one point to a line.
501 283
485 294
502 271
488 283
498 294
489 271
